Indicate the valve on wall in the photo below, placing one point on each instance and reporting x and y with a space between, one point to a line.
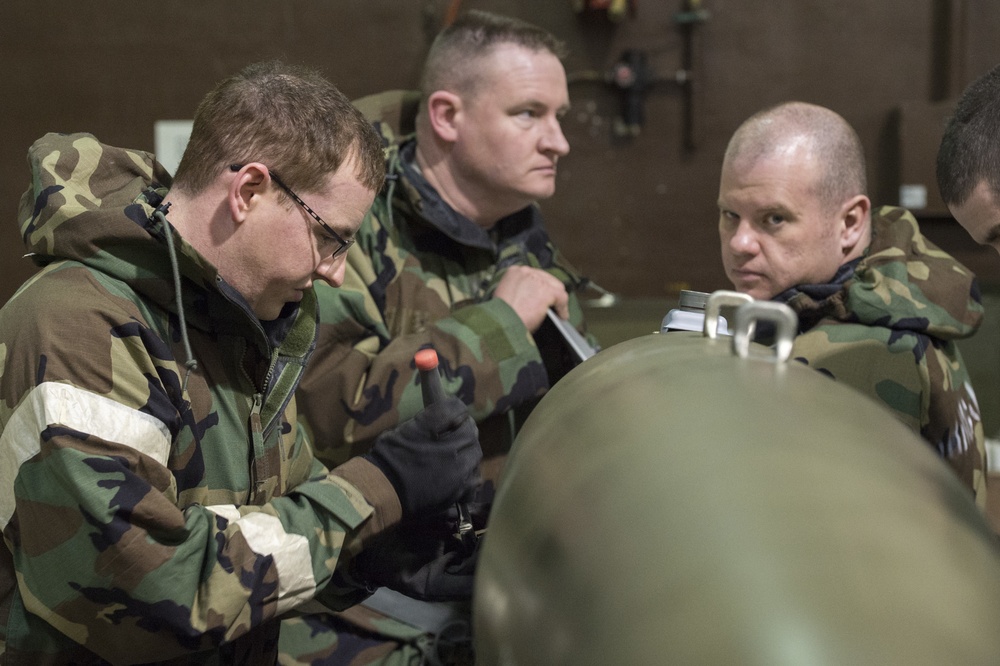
634 78
631 76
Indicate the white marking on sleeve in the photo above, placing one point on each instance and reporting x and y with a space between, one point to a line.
52 403
292 557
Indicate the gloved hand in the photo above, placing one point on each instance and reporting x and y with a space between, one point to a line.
421 558
431 460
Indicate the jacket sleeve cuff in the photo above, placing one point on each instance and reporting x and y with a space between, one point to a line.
377 491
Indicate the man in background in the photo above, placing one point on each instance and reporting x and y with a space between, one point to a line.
453 255
879 306
968 162
968 174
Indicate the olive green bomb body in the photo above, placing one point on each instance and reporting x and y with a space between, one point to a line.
671 502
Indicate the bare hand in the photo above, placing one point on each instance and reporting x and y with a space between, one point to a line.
531 292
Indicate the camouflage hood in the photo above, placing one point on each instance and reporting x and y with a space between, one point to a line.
904 283
93 204
199 514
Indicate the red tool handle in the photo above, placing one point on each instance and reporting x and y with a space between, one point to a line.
430 379
432 390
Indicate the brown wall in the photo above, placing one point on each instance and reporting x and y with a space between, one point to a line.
636 214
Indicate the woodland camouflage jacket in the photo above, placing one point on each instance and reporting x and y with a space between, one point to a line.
423 276
145 521
890 332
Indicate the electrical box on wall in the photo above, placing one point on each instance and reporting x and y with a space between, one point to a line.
170 137
920 127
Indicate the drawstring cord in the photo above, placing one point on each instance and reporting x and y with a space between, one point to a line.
391 177
191 363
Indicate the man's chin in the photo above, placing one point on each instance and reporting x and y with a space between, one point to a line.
275 311
543 189
755 289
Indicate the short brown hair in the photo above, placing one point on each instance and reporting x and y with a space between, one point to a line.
451 61
970 150
289 118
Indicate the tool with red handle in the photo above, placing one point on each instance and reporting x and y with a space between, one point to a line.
426 361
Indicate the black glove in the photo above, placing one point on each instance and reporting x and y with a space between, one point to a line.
432 459
423 559
448 577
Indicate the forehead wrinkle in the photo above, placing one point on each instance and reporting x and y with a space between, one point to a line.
521 70
766 185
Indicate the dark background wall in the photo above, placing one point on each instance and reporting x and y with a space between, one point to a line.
636 213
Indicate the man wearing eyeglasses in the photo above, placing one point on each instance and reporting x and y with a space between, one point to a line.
159 499
880 307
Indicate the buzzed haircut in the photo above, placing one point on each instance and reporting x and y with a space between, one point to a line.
454 56
970 147
291 119
833 142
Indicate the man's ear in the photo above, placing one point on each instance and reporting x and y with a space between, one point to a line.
245 189
443 108
856 217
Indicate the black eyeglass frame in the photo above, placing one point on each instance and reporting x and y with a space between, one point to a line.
343 245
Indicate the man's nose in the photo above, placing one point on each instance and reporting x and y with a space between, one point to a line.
331 270
744 239
553 140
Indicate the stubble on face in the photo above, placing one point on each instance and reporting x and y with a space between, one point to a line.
784 235
511 138
287 242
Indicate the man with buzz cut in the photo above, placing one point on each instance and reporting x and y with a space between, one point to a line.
454 256
880 307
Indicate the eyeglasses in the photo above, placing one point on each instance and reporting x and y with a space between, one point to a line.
342 245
